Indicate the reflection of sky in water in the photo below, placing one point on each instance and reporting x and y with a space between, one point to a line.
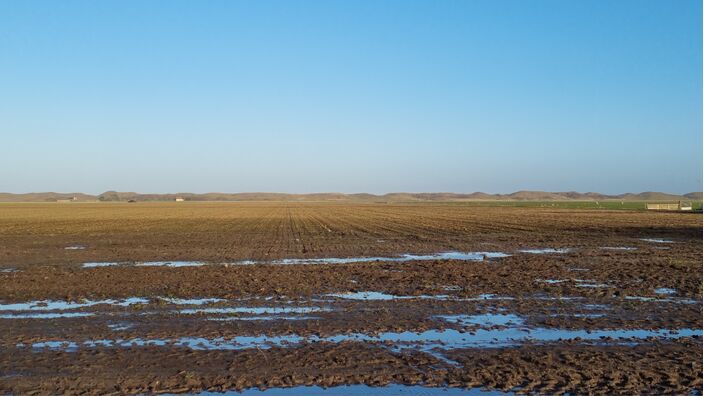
51 305
424 341
253 310
170 264
359 390
99 264
593 285
545 251
119 326
580 315
265 318
580 282
372 295
380 296
596 306
191 301
173 264
470 256
47 315
484 320
663 300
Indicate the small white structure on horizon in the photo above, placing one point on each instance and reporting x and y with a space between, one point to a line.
180 199
681 205
72 199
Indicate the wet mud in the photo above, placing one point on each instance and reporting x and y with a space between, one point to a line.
288 295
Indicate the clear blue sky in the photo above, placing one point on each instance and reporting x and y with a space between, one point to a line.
351 96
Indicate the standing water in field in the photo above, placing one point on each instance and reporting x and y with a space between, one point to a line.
462 256
469 256
656 240
545 251
51 305
495 331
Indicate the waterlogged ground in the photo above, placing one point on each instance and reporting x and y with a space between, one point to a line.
406 299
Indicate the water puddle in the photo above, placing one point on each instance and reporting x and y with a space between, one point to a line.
552 281
426 341
254 310
99 264
478 331
369 295
484 320
665 290
200 306
656 240
593 285
243 262
663 300
358 390
559 298
373 296
120 326
191 301
580 282
265 318
471 256
51 305
380 296
174 264
580 315
76 247
8 270
483 297
47 315
545 251
596 306
590 283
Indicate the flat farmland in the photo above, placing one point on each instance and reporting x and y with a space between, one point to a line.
39 233
187 297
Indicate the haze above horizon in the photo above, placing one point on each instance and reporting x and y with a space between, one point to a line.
309 96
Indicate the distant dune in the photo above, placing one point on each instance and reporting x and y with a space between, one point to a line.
45 197
694 195
115 196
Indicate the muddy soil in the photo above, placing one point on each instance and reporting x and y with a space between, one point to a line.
221 232
615 307
658 368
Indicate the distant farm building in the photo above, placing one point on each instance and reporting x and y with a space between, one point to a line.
681 205
685 205
67 200
179 199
